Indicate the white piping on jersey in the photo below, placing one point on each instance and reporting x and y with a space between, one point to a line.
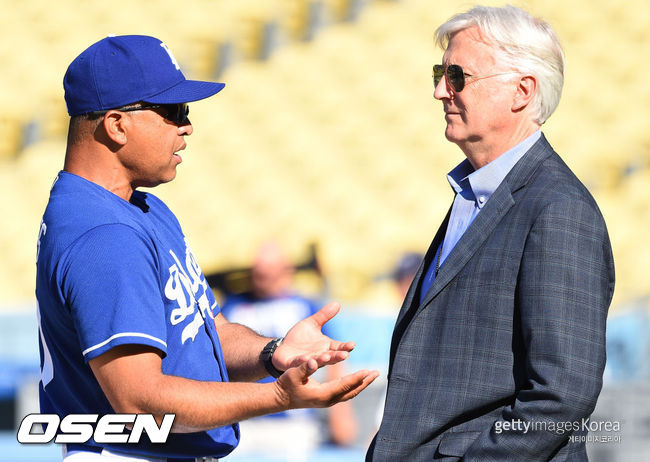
123 334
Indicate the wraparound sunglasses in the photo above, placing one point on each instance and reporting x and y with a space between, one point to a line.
175 113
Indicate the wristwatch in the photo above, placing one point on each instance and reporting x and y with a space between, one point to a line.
267 355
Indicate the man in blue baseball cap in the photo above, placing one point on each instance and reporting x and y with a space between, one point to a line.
127 321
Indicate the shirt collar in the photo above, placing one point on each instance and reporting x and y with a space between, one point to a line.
479 185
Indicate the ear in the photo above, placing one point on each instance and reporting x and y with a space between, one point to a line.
115 126
526 89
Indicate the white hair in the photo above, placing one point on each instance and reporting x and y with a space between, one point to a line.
525 44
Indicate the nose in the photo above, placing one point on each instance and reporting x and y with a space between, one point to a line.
441 90
186 129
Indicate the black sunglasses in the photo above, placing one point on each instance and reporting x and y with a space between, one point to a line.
175 113
456 77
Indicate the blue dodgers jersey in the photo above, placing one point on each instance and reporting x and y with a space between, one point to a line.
112 272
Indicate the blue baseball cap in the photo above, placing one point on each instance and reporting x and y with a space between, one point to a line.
121 70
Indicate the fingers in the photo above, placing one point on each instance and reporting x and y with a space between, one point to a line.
327 358
351 385
343 346
332 357
296 389
289 383
338 356
326 313
306 369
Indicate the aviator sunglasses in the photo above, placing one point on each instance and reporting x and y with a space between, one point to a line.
456 76
175 113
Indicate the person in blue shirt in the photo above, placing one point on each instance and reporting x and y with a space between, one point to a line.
127 322
499 346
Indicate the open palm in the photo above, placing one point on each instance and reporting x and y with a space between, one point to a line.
305 341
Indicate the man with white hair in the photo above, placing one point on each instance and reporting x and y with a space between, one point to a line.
499 348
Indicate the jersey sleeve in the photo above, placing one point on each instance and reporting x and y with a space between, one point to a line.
110 281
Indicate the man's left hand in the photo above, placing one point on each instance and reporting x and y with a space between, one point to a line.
306 341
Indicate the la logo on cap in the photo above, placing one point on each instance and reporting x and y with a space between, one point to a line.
171 56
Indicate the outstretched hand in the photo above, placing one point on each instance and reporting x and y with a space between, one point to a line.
296 389
306 341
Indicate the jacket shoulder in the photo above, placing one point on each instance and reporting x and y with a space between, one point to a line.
553 182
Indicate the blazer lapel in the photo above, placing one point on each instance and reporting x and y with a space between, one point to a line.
485 222
482 226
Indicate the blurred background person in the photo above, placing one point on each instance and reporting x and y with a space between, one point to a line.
405 270
272 307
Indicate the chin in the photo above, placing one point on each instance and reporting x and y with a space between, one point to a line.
452 136
458 135
169 178
162 179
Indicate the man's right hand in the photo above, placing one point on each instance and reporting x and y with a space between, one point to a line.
297 389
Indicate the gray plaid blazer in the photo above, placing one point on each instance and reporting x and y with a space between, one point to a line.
512 329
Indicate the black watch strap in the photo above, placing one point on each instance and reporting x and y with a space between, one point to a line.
267 355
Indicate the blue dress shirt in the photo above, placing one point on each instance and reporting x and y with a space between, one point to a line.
473 189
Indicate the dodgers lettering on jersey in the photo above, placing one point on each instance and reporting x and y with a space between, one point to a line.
183 281
110 273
